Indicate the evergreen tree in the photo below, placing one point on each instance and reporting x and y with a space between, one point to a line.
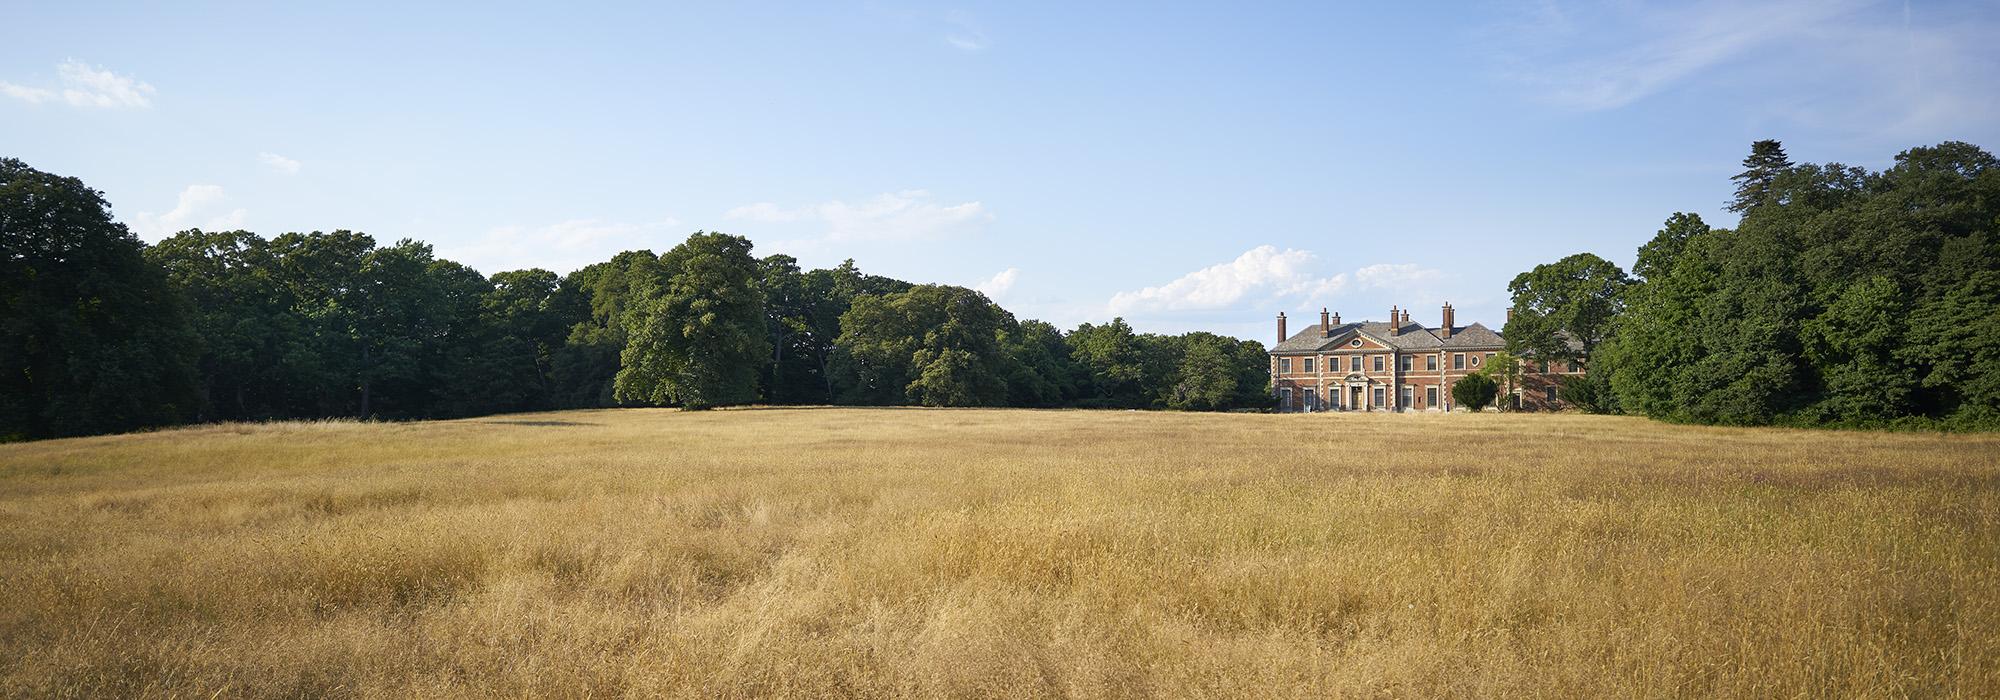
1761 169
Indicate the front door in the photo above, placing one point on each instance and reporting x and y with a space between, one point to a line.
1354 398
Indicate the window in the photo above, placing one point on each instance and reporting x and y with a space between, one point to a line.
1309 366
1489 357
1542 367
1431 362
1405 361
1312 399
1475 360
1549 394
1431 395
1284 398
1378 397
1458 360
1355 343
1572 367
1409 397
1378 363
1284 365
1354 363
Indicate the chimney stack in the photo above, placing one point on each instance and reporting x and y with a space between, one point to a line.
1510 314
1394 326
1336 318
1445 331
1406 317
1325 328
1281 327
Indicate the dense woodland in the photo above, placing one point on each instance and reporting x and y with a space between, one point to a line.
1843 297
101 333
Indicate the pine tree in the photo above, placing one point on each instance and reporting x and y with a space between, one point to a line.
1753 186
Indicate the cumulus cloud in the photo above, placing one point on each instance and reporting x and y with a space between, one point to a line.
1000 283
199 206
86 86
1263 270
278 164
562 246
1266 274
893 216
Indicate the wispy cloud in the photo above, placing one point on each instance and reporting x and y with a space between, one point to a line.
965 34
199 206
1000 283
1866 68
895 216
278 164
563 246
83 85
1609 56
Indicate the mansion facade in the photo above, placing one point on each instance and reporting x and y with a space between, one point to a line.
1393 365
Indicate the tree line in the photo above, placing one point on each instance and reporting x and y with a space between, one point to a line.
102 333
1843 297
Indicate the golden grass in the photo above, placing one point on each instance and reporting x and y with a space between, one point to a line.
905 552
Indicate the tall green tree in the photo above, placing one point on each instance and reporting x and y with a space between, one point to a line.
1761 169
1563 310
1113 363
251 338
697 338
92 337
934 345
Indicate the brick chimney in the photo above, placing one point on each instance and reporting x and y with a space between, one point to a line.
1510 314
1406 317
1281 327
1325 327
1394 327
1445 331
1336 318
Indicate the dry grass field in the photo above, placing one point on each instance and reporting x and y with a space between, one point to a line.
906 552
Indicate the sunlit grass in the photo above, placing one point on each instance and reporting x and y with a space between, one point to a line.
821 552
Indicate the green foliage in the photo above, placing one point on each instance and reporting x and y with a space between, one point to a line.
696 335
1843 297
1474 391
1760 172
92 338
104 334
1590 393
1563 310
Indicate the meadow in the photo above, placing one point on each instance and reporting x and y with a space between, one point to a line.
948 553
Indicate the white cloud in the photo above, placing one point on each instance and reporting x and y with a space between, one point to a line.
278 163
1266 274
967 42
965 34
1000 283
32 95
892 216
199 206
86 86
1260 270
1406 276
562 246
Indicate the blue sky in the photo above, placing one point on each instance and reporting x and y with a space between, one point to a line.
1187 167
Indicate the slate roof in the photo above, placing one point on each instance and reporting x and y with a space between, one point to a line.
1412 336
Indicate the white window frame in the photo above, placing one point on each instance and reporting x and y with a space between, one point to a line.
1284 365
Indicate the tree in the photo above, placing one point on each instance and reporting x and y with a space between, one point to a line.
697 336
1760 171
244 316
1111 360
1206 376
1504 368
92 337
1041 371
594 300
1564 309
1657 256
1590 393
1474 391
935 345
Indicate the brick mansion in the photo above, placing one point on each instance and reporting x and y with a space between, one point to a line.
1393 365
